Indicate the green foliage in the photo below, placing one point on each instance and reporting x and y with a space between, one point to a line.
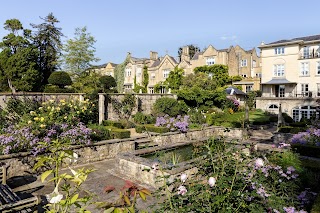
196 116
60 79
290 129
174 80
119 72
107 82
140 128
116 124
47 38
18 67
56 89
99 133
316 205
287 118
229 181
120 133
137 87
87 82
251 99
157 129
218 72
141 118
236 78
124 107
145 80
286 159
170 106
306 150
79 52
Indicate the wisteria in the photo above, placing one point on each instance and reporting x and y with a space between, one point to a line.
310 137
180 123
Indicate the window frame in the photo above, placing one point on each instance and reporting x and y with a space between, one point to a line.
278 72
303 70
279 51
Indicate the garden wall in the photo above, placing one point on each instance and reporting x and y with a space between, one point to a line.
22 163
4 97
144 104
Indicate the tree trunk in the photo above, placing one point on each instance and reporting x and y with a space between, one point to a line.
13 89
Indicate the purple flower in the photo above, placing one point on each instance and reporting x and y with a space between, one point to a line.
182 190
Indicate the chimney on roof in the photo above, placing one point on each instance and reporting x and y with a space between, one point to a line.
185 53
153 55
262 43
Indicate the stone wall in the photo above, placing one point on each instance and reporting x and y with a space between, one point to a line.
144 104
4 97
22 163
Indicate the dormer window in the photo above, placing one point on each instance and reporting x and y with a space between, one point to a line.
210 61
279 50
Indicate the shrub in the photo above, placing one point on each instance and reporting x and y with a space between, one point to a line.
298 124
287 118
60 79
56 89
197 117
285 129
120 133
170 106
273 119
140 128
261 122
116 124
179 123
107 82
141 118
306 150
157 129
99 133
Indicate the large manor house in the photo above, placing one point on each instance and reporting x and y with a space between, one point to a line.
286 71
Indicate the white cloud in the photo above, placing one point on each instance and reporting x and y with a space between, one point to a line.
231 38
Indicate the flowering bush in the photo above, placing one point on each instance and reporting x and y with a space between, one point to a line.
231 181
179 123
310 137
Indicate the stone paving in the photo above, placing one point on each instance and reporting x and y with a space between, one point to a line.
105 174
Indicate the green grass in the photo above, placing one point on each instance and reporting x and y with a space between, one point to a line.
236 119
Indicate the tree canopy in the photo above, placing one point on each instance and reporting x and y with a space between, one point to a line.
79 52
192 50
218 72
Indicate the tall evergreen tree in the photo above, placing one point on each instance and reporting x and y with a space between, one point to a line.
47 38
18 58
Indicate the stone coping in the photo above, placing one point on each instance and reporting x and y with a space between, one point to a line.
38 93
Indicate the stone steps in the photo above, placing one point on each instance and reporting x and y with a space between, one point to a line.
144 143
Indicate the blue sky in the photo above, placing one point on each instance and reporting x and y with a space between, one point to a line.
138 26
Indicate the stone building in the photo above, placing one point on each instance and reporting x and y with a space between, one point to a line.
106 69
291 76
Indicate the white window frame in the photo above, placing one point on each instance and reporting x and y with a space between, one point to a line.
249 88
210 61
306 52
304 69
318 89
244 63
318 68
278 70
244 75
151 90
166 73
305 89
128 72
279 50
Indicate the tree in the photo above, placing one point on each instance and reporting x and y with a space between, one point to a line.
18 58
218 72
175 78
145 80
47 39
80 52
60 79
87 82
107 82
192 50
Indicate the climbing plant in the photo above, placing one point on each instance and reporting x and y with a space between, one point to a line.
119 74
145 81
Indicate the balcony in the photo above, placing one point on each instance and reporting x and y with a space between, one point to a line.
309 56
293 95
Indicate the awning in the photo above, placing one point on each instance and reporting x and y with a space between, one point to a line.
234 91
127 84
279 81
243 83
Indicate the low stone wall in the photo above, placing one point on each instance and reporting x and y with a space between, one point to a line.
22 163
279 137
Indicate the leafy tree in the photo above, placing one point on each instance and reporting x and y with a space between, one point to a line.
47 39
175 78
80 52
18 58
169 106
251 99
60 79
107 82
192 50
201 80
218 72
87 83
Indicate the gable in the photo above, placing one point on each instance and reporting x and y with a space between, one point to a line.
210 51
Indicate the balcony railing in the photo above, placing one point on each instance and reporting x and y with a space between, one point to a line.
309 56
308 94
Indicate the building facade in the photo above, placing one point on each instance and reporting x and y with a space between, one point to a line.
291 76
106 69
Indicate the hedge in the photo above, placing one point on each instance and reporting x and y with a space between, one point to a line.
56 89
316 205
99 133
117 124
140 128
306 150
290 129
157 129
120 133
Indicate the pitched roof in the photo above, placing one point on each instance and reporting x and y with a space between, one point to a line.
138 59
173 59
156 63
234 91
305 38
196 55
113 64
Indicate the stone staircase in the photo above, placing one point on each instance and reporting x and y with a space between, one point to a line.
144 143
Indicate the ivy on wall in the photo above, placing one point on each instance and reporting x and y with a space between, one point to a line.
119 72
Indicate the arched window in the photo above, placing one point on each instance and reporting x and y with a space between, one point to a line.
273 106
